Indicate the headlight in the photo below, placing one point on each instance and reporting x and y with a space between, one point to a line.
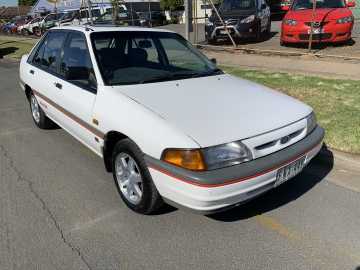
188 159
348 19
209 158
290 22
248 19
311 123
226 155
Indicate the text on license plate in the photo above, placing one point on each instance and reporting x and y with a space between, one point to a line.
289 171
316 31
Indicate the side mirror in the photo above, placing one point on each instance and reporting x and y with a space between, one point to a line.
351 4
285 8
263 6
213 60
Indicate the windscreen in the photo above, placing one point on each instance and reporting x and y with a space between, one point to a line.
308 4
233 5
136 57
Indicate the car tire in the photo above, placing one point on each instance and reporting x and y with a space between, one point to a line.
38 115
259 34
210 41
133 180
24 32
283 43
268 29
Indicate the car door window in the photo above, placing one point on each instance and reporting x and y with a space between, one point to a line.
38 53
53 45
76 66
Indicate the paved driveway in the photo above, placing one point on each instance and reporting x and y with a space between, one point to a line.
60 210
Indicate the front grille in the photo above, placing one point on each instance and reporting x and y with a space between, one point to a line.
288 138
315 36
316 24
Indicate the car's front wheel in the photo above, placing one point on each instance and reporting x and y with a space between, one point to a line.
38 115
133 179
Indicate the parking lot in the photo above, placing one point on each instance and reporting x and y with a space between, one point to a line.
61 210
273 43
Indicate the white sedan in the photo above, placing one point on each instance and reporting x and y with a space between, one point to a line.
168 123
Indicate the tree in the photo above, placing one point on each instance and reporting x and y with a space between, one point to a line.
26 2
171 4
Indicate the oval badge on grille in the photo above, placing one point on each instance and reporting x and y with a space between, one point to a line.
285 139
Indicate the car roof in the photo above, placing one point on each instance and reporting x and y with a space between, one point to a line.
110 28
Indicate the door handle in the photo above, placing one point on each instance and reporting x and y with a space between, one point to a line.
32 71
58 85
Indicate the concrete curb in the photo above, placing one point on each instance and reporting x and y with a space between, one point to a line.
275 52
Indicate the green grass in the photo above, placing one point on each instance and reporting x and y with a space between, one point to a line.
15 47
336 102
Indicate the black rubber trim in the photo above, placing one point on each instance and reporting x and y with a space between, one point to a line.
244 171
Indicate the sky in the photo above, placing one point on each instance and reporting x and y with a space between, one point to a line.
8 3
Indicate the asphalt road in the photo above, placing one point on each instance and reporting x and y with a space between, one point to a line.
273 43
60 210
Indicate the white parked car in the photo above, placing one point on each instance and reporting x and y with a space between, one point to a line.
168 123
28 28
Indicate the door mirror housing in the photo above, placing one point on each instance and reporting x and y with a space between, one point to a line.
213 60
351 4
285 8
263 6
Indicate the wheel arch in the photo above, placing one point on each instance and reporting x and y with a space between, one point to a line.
28 91
110 140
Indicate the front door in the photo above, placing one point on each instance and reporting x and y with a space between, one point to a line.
78 91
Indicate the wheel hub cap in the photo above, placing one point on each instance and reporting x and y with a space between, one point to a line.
35 110
129 178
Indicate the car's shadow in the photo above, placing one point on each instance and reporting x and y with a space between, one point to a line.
315 172
317 47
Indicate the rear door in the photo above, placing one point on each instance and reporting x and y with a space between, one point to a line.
42 71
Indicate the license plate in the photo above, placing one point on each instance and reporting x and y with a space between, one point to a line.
316 31
289 171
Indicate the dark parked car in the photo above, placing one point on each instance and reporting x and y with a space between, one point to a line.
154 18
124 17
242 18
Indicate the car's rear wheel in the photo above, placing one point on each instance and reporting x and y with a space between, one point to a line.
283 43
133 179
38 115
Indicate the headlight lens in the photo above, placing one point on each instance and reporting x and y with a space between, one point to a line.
290 22
226 155
311 122
348 19
248 19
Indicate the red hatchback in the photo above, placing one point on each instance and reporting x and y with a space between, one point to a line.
333 22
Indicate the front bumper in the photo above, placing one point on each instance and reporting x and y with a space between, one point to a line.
240 30
331 32
211 191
